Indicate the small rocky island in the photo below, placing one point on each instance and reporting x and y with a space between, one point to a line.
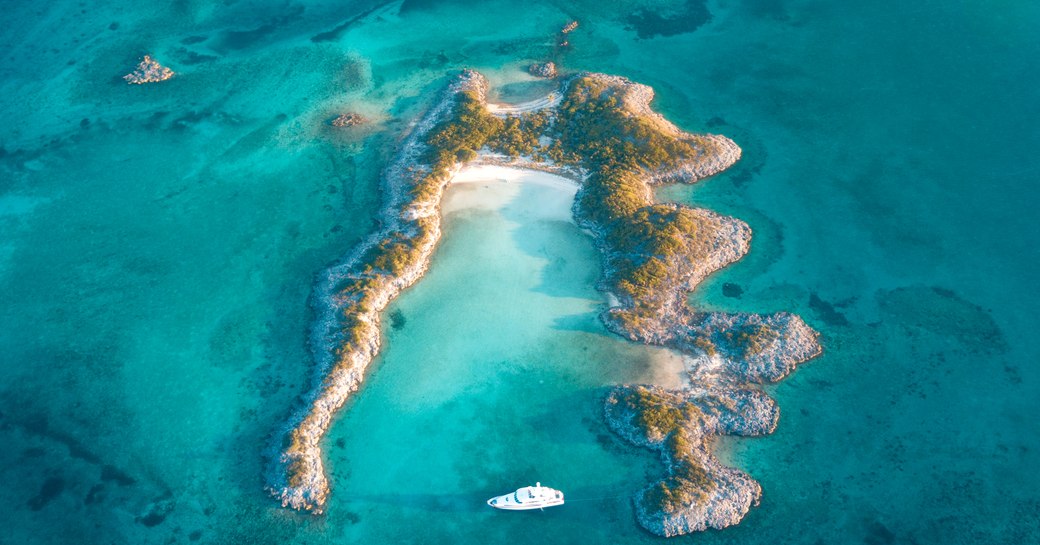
603 134
349 119
148 71
543 69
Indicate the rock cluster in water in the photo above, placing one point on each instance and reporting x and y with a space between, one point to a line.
543 69
349 119
567 29
148 71
732 353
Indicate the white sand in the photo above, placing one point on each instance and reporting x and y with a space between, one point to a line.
668 368
540 194
548 101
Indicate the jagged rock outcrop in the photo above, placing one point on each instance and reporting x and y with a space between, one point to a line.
751 348
349 119
543 69
698 492
148 71
562 36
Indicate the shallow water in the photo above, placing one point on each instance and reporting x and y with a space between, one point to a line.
497 355
159 244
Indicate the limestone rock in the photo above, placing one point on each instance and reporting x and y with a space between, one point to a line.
723 495
148 71
349 119
543 70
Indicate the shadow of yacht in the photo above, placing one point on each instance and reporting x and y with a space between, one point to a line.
430 501
585 496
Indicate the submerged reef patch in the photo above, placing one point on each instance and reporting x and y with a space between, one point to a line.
659 21
598 130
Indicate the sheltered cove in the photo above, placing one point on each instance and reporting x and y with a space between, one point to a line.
599 131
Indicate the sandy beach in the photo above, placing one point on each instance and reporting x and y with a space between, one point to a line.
539 194
502 110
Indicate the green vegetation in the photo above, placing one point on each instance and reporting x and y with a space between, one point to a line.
661 240
457 139
666 419
688 475
392 255
295 471
650 244
519 136
593 128
657 415
705 344
462 135
688 485
294 446
750 340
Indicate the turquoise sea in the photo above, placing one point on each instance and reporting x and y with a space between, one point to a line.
159 243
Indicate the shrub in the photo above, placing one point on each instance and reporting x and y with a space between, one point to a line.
750 340
654 414
459 137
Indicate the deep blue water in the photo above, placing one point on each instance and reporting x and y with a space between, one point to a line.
158 246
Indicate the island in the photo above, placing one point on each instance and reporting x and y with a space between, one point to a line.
599 131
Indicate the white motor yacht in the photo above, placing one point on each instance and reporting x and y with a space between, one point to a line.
528 497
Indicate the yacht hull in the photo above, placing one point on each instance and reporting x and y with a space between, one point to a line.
527 498
524 507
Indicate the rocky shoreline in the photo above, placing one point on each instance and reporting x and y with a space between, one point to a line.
296 475
647 287
731 352
722 494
